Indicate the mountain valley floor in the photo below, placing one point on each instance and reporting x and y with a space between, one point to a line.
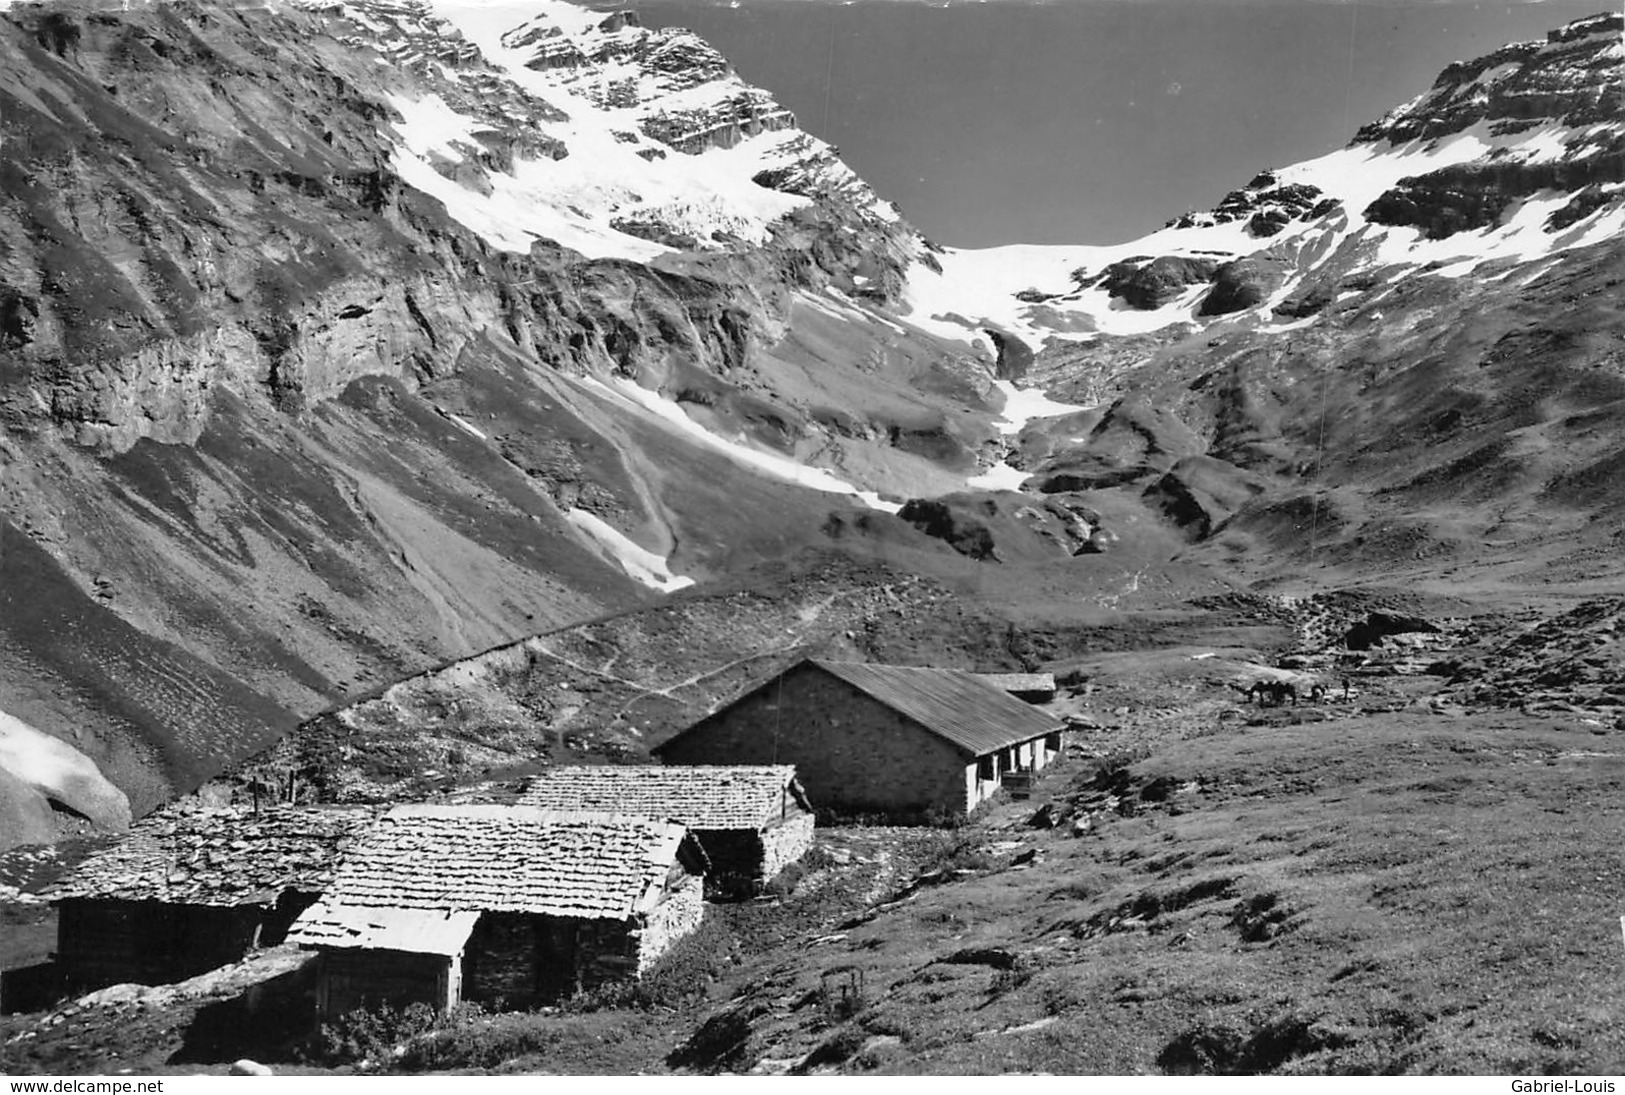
1422 877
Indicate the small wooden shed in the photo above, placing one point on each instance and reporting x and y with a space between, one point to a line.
508 906
752 820
900 742
189 889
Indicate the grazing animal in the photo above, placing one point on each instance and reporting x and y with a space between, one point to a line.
1251 691
1275 692
1317 693
1280 690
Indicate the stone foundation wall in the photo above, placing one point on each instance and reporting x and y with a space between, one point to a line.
785 843
668 922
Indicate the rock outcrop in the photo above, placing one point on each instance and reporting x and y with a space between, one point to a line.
1244 283
1569 84
1266 204
1150 285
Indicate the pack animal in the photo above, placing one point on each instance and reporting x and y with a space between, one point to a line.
1274 692
1280 690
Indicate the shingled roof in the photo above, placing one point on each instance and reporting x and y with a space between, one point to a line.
422 870
712 796
225 856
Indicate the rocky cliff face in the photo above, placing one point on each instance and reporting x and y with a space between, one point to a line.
1571 78
1566 94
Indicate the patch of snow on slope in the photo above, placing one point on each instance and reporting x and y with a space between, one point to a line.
1000 476
430 126
641 563
1021 406
977 287
837 305
59 771
465 424
780 467
514 215
576 199
1522 237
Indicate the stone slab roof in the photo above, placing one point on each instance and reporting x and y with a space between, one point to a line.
227 856
713 796
472 859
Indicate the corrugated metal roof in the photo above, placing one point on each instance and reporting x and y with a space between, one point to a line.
953 704
711 796
591 865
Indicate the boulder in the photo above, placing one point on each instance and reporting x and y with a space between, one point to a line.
952 524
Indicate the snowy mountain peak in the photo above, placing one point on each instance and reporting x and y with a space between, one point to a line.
1573 79
590 130
1509 158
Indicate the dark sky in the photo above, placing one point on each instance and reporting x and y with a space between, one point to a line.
1090 121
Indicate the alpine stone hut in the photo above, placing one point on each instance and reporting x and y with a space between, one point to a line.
507 906
752 820
895 741
187 890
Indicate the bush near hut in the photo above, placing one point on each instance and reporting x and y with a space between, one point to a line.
372 1033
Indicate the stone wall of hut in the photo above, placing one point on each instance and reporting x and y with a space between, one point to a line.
673 918
107 941
500 961
785 842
